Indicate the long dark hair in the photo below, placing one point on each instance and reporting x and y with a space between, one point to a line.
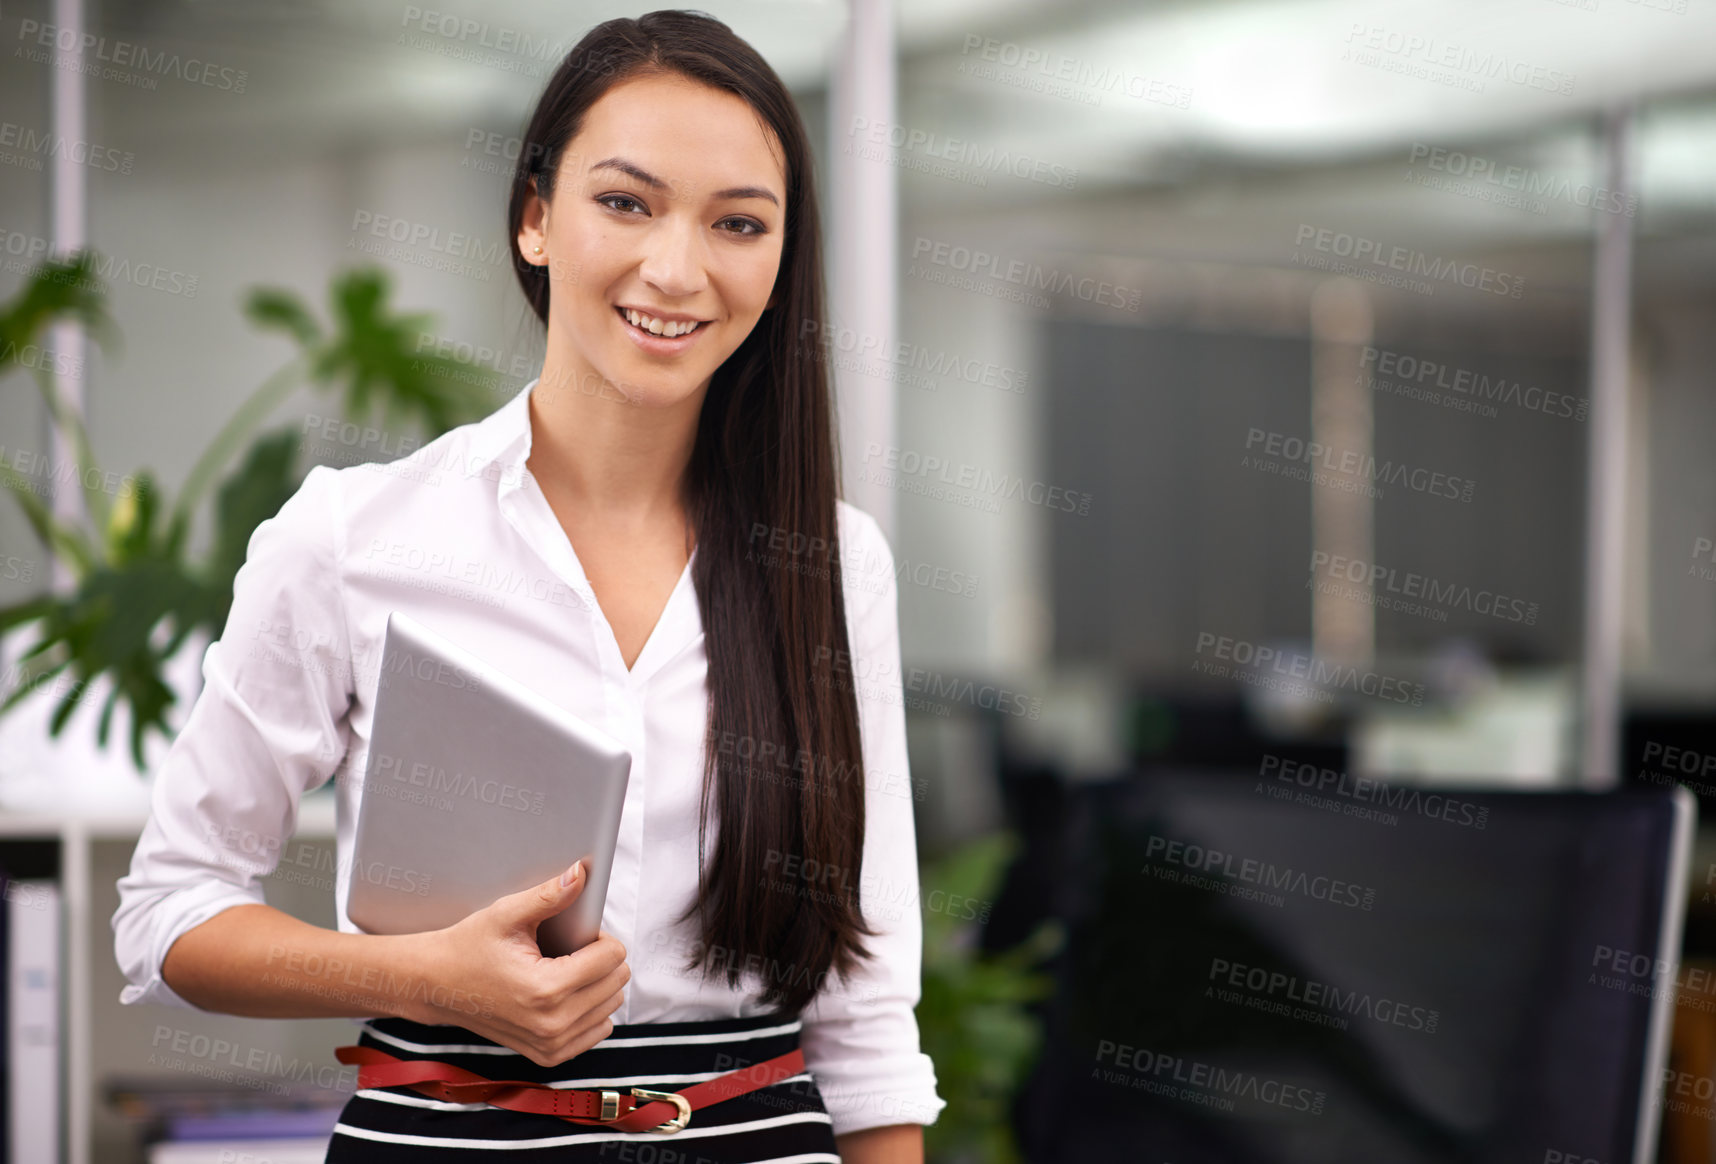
764 458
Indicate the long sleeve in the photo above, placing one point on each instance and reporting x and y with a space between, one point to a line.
860 1036
269 725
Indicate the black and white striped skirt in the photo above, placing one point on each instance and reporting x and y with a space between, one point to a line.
784 1122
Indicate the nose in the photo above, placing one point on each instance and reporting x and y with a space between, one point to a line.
674 256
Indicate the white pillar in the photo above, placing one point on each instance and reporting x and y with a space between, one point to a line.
1343 522
67 225
1606 471
861 235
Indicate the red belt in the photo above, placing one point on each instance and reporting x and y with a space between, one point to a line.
622 1112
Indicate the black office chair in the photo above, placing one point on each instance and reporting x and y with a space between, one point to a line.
1356 974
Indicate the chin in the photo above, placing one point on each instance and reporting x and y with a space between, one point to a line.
658 388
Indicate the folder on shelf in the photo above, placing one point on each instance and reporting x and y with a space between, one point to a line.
32 1019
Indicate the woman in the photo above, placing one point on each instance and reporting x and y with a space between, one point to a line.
621 536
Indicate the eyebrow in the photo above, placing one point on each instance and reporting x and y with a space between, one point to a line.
655 183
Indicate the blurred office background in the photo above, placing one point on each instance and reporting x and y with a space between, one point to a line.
1145 256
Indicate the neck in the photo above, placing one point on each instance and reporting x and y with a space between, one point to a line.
619 461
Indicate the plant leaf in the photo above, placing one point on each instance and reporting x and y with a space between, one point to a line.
282 310
255 492
57 289
378 356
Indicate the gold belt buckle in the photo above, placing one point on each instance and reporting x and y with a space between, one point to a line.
678 1101
611 1108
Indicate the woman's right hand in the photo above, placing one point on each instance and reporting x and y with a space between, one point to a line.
546 1009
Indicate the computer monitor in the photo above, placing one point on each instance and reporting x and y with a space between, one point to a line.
1301 968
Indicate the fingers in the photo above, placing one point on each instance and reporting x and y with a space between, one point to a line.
613 983
588 1019
595 1027
557 893
592 995
573 1044
563 1005
589 962
529 907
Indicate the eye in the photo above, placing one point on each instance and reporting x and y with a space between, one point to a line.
608 200
755 226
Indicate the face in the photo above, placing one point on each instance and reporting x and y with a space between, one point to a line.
670 202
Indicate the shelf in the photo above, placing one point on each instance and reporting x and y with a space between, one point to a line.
87 840
316 820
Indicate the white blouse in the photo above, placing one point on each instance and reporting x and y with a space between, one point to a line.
459 534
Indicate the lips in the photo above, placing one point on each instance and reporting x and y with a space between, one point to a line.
661 346
627 314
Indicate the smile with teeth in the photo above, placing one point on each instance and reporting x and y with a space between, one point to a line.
666 328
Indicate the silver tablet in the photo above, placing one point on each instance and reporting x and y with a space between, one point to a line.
476 787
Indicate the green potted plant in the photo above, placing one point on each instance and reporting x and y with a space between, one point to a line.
973 1017
138 594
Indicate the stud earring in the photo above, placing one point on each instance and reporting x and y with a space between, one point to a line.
538 250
